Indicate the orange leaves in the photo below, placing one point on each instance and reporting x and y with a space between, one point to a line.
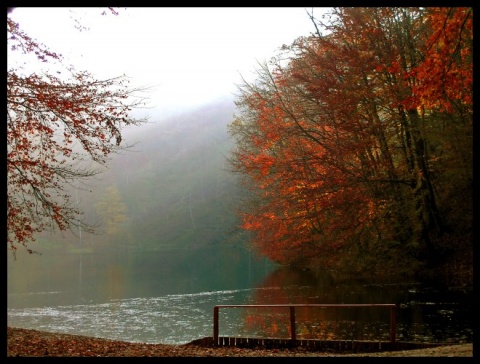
251 224
446 73
264 162
394 68
286 154
329 142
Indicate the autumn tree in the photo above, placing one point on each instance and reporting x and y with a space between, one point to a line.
341 143
301 180
62 127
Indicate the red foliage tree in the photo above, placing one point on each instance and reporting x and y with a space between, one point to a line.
444 78
56 126
303 184
339 143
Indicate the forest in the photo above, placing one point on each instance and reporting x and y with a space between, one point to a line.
355 145
350 151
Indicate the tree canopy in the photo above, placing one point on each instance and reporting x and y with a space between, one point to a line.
356 145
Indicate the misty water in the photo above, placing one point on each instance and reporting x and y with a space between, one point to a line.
168 297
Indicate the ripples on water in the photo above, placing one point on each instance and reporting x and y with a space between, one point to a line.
181 318
171 319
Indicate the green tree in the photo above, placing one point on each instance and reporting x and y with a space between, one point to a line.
112 211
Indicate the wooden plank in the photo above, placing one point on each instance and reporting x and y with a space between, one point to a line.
311 344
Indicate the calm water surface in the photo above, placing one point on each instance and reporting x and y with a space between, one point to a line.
169 297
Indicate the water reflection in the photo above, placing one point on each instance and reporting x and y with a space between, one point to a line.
169 297
424 313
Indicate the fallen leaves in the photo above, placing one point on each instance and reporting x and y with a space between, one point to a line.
33 343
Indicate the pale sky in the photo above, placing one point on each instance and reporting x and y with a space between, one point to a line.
189 55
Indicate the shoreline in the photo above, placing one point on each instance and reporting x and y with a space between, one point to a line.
35 343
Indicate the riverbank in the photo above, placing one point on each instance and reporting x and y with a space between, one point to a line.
34 343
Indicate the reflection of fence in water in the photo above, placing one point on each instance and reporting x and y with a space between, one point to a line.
321 323
267 322
343 330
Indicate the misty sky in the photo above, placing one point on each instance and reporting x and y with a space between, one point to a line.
189 55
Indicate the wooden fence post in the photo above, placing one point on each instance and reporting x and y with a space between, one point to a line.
293 329
215 325
392 324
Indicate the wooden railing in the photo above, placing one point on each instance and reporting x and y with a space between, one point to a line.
292 307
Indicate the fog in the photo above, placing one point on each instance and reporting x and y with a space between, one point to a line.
186 56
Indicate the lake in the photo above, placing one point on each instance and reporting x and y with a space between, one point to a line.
168 297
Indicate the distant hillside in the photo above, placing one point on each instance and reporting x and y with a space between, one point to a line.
174 184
